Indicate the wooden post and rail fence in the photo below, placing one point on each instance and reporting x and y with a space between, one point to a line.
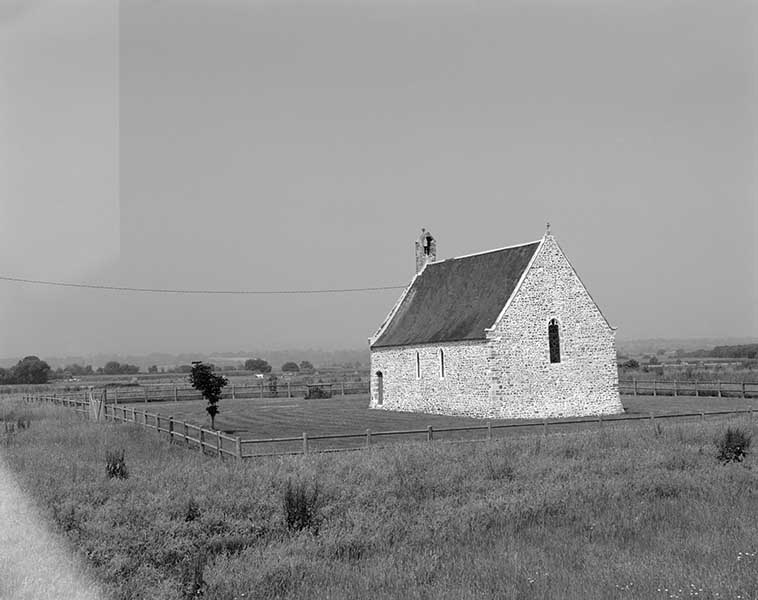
220 443
659 387
235 391
261 390
213 440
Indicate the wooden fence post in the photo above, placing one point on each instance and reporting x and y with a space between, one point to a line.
186 434
655 387
218 443
171 429
675 388
368 438
702 417
289 390
635 385
261 389
743 389
305 442
134 415
600 421
719 388
429 433
144 389
238 446
489 430
115 396
544 427
697 390
234 393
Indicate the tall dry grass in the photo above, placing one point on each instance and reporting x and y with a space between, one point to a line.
626 512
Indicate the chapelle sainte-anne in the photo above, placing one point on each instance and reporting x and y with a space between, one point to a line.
506 333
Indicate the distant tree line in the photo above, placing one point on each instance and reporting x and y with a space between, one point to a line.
33 370
749 351
113 367
75 370
29 369
258 365
741 351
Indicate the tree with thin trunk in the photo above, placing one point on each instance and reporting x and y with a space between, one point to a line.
210 385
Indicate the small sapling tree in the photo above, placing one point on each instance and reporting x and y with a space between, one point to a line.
210 385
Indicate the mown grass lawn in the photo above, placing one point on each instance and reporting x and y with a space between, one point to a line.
625 512
283 417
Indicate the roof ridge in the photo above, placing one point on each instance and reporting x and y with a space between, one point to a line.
488 251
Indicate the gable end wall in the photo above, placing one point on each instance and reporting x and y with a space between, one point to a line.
522 381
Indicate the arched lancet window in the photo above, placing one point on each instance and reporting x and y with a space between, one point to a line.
418 366
442 363
379 388
553 337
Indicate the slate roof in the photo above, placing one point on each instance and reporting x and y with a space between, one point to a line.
456 299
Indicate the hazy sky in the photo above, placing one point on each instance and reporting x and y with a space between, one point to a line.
261 144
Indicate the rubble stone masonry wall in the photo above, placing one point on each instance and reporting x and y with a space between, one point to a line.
523 382
461 391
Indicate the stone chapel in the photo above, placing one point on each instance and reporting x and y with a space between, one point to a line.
505 333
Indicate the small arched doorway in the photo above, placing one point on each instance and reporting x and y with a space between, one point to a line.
379 391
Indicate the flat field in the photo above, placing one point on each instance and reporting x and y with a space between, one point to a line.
288 417
621 513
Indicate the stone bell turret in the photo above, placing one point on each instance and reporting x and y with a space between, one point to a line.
426 250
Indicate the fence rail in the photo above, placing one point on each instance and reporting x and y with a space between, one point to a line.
165 392
220 443
215 441
488 429
263 389
629 387
721 389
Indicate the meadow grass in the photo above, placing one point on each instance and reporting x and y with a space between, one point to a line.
632 511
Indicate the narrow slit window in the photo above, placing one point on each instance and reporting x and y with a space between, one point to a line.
442 363
418 366
554 340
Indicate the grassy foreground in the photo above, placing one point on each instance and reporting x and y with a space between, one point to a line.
625 512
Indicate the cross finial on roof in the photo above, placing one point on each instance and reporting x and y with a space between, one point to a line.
547 228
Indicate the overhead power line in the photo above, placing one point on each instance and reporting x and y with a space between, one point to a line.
118 288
